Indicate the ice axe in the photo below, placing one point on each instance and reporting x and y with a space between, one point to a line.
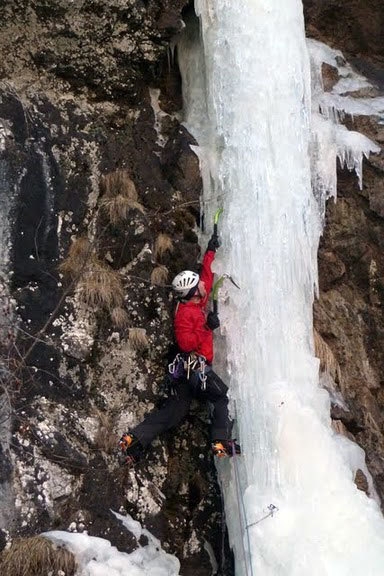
219 282
216 217
216 287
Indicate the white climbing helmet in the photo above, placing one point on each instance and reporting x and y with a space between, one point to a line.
185 283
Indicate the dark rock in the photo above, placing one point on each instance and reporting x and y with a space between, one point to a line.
354 26
330 76
331 269
350 314
5 464
181 164
361 481
82 110
111 48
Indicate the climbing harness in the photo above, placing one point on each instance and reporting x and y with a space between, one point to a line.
184 364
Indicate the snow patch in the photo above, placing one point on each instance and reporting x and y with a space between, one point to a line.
97 557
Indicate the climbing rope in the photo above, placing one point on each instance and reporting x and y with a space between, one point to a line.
244 526
242 513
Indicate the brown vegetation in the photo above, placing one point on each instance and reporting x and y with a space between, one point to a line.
138 338
36 556
162 245
159 275
79 254
106 439
119 317
97 283
101 286
119 196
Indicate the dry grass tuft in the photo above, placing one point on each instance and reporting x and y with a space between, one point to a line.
328 362
119 317
101 286
119 196
163 244
159 276
36 556
138 338
106 439
118 182
79 254
97 283
117 208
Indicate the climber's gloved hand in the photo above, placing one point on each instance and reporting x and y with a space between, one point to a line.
213 243
213 321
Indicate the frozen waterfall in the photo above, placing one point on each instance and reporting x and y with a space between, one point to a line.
247 91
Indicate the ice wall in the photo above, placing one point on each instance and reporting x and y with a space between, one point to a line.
330 140
246 81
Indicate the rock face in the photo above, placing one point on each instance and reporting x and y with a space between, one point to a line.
112 48
355 27
102 190
349 313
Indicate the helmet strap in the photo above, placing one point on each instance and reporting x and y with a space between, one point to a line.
191 293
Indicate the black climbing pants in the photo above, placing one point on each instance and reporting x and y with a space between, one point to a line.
176 407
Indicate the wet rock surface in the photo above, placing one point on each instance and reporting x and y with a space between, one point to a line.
111 48
355 27
80 100
349 313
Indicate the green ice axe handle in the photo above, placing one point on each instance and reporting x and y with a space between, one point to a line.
217 285
216 220
215 292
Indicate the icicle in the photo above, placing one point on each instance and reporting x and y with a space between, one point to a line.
330 139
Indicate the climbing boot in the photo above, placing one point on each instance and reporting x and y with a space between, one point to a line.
131 448
222 448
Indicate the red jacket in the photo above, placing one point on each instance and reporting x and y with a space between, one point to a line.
191 331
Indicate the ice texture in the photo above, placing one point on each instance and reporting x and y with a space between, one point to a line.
331 140
247 87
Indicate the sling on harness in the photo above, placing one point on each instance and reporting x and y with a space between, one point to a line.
183 364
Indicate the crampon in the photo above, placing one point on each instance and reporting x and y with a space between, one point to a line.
130 449
225 448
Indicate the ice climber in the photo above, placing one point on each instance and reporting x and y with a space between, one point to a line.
191 375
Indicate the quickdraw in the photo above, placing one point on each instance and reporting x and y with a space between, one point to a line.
202 374
176 367
183 364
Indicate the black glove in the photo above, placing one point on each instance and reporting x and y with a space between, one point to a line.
213 321
213 243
